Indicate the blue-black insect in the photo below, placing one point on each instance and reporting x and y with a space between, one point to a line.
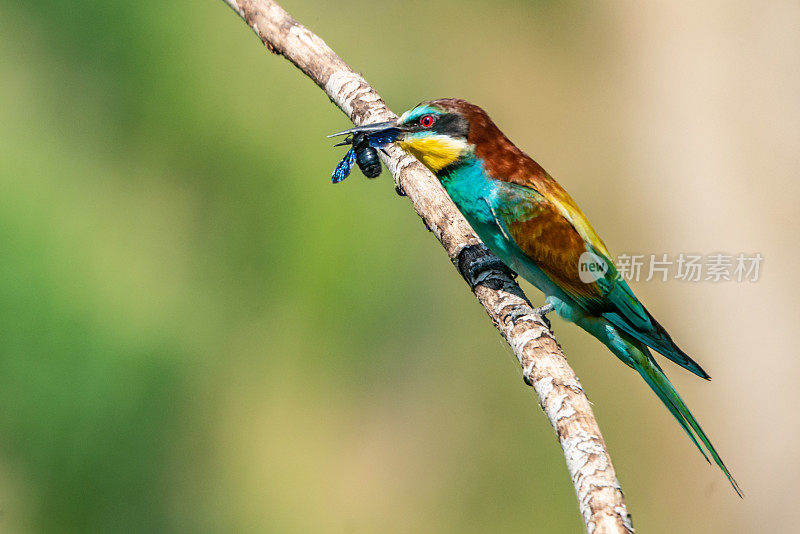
366 156
363 144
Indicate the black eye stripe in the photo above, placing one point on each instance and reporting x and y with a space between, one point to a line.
451 124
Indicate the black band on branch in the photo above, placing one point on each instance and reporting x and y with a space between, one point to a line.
476 260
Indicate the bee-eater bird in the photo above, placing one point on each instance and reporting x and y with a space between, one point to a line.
530 222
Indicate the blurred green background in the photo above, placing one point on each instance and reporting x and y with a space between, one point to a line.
199 333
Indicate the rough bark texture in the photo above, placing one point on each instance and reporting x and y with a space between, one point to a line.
545 368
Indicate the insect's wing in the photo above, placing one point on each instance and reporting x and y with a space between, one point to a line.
342 170
382 138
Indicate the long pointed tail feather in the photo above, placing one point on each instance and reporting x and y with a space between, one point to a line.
660 384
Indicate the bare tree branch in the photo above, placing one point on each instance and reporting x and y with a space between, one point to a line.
545 368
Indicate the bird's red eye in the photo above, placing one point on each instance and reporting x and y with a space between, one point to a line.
426 121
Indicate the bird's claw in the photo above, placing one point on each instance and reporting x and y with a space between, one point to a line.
542 312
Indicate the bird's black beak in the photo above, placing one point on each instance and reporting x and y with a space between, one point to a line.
374 128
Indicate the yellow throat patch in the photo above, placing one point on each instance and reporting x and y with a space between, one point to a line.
435 151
